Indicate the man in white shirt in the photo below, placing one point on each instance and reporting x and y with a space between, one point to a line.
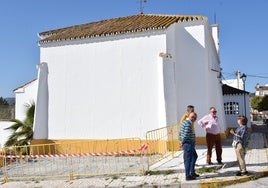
211 124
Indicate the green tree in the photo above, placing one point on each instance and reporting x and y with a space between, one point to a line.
259 103
3 101
22 131
264 103
6 110
255 102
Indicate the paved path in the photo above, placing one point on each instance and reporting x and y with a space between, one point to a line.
256 160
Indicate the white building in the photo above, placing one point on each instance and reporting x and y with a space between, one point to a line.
236 83
122 77
236 102
24 95
261 90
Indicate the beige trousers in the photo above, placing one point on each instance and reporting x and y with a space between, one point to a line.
240 154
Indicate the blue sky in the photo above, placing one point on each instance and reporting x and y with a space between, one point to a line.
243 31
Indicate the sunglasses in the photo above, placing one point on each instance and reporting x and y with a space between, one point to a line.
214 112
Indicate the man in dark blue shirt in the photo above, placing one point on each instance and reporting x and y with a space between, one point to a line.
187 139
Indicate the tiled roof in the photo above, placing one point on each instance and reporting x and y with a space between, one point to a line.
115 26
228 90
261 88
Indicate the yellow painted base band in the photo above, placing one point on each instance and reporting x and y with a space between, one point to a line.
77 146
73 146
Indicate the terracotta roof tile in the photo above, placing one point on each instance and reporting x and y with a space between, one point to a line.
115 26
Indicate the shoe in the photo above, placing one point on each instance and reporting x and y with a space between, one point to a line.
209 163
190 178
195 175
244 173
241 173
220 163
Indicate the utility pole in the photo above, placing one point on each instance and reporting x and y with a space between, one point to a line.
238 74
244 77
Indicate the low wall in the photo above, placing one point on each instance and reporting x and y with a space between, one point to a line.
4 133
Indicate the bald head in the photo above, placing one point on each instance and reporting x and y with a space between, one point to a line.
192 116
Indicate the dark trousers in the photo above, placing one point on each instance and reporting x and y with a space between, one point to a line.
190 157
211 141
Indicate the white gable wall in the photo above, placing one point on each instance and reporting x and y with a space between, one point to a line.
197 70
24 96
116 87
105 89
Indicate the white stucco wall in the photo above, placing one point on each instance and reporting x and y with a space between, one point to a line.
4 133
24 95
42 102
231 119
116 87
105 88
197 70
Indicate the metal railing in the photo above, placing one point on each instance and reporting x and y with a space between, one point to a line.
89 158
162 142
80 159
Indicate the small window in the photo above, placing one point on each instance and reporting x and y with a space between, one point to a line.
231 108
